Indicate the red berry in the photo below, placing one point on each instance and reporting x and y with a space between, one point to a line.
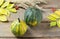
16 7
53 9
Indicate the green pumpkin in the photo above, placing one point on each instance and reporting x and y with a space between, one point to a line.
33 16
18 28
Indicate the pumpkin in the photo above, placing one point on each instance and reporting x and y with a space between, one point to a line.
18 27
33 16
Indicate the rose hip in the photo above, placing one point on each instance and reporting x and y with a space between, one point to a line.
16 7
53 9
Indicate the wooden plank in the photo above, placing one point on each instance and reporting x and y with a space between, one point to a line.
52 3
42 30
32 38
20 14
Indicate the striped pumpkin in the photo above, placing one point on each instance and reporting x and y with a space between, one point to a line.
33 16
18 28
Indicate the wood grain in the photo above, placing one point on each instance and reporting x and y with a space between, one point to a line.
42 30
31 38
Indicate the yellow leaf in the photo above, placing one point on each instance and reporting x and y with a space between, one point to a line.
10 6
53 23
51 18
57 12
54 15
58 23
3 18
4 12
1 2
12 10
5 4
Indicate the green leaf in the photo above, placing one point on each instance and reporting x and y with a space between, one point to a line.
53 23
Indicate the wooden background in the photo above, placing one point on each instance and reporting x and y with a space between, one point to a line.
42 30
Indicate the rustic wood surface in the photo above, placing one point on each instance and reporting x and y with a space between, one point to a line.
42 30
32 38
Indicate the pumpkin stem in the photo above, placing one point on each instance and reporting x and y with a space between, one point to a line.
19 19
